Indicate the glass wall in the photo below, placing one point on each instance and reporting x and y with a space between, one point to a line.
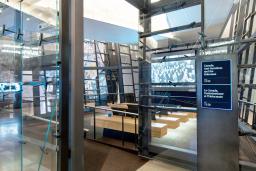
29 80
111 82
167 82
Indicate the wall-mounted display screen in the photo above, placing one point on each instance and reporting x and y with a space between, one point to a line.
173 71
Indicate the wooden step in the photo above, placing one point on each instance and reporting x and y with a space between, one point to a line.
118 106
115 123
183 116
191 114
170 121
158 129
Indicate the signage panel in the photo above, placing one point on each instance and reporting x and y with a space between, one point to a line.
217 85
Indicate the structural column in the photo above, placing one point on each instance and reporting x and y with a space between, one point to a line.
71 154
144 83
217 121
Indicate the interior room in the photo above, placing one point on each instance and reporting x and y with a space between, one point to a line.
131 85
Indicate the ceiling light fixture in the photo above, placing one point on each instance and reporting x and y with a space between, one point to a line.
154 1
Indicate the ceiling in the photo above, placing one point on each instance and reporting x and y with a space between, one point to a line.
117 12
216 13
123 14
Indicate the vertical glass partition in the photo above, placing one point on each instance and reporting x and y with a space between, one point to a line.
167 85
29 79
111 85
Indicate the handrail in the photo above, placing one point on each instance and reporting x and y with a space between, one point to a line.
42 119
249 103
160 96
112 110
47 120
186 109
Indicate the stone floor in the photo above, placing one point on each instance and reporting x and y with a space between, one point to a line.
98 157
160 166
182 137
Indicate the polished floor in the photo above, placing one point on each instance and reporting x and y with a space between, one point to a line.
159 165
184 136
15 154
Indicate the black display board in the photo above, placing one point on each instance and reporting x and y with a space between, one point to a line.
217 85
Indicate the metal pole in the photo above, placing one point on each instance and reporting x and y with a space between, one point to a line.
136 136
120 74
254 117
71 154
202 17
122 129
98 76
144 76
77 74
94 124
63 153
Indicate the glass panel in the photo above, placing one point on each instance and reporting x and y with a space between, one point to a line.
29 81
41 79
171 106
108 124
10 89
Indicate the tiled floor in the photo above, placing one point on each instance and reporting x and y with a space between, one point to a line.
99 157
15 155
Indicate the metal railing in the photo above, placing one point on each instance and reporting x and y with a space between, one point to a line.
123 114
245 108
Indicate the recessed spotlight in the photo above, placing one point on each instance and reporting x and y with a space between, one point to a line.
1 10
28 19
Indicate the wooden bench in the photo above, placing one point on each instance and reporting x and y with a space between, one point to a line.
182 116
120 106
191 114
170 121
115 123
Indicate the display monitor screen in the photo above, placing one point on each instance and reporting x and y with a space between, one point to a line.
173 71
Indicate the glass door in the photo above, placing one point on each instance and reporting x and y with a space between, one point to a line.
29 82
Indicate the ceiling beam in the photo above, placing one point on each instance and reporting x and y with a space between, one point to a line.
173 29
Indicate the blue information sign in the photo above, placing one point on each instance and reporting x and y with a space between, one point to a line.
217 85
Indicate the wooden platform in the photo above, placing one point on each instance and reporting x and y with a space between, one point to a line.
191 114
120 106
170 121
182 116
115 123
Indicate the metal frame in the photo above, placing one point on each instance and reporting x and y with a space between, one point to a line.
144 89
71 153
113 63
250 90
145 106
236 43
123 114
